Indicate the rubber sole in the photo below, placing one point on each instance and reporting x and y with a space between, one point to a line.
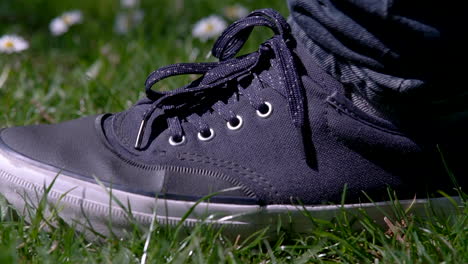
87 203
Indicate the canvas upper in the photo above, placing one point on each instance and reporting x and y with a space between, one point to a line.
271 123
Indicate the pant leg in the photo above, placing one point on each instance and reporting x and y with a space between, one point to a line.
397 57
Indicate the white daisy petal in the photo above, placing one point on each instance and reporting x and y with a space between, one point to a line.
128 3
122 23
138 16
58 27
125 21
12 44
62 23
72 17
235 12
209 27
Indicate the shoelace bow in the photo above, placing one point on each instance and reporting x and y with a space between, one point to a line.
215 74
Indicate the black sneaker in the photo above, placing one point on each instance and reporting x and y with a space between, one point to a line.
269 132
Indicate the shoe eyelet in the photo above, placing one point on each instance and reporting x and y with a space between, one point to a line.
267 112
175 142
203 138
236 127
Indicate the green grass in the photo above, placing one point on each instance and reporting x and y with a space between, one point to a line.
51 78
48 83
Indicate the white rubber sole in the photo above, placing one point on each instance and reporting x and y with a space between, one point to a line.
87 203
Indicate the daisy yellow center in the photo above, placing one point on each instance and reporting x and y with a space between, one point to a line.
9 44
67 19
209 27
231 11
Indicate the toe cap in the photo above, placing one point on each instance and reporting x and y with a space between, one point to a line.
65 145
77 148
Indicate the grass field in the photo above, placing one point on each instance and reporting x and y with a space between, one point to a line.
92 69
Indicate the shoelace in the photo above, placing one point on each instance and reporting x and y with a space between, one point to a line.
229 68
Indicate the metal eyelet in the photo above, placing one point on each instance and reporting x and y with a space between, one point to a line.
266 113
176 143
236 127
202 138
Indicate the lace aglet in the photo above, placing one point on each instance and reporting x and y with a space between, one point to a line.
140 134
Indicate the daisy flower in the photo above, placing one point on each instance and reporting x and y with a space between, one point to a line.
72 17
235 12
122 23
57 26
12 44
128 20
209 27
61 24
129 3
